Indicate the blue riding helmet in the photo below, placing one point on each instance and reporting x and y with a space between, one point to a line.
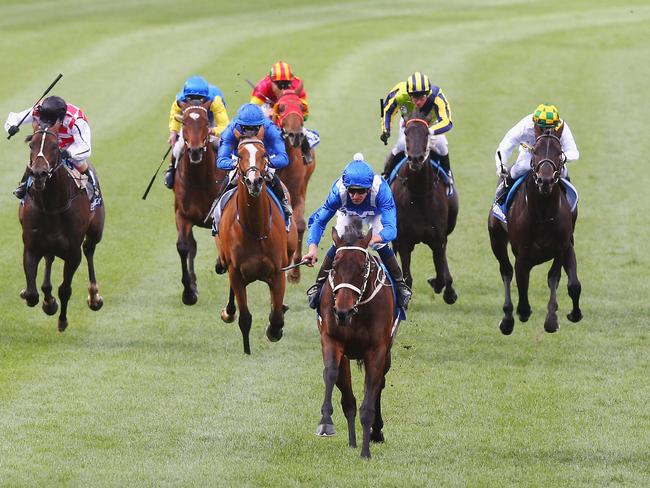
358 174
249 114
196 86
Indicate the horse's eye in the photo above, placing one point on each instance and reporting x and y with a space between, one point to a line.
281 108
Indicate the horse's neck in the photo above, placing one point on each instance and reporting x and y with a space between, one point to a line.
203 172
542 207
421 180
253 212
56 193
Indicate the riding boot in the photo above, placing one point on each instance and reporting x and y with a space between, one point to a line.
21 189
93 182
391 162
403 291
169 173
278 191
502 190
313 292
444 162
306 150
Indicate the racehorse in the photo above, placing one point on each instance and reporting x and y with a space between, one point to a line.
540 228
356 322
288 114
197 184
425 212
57 221
252 241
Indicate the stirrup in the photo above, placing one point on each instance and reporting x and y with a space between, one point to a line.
20 191
313 295
169 179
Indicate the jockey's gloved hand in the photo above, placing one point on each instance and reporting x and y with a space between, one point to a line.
13 130
384 137
502 172
65 154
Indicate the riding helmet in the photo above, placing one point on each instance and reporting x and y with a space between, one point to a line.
281 71
358 174
250 114
546 116
52 109
418 84
196 86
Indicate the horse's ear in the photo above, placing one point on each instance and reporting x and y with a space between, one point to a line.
178 117
260 134
280 108
276 91
35 125
335 237
298 88
207 104
183 105
559 130
538 131
366 239
237 134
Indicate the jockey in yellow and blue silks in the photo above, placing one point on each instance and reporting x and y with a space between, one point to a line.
196 89
417 92
358 193
248 122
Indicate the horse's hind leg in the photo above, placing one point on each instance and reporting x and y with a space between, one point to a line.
550 323
499 243
522 273
375 363
190 262
230 310
50 305
574 287
65 289
443 277
301 226
404 251
30 265
276 318
94 300
332 359
376 434
348 401
184 246
245 318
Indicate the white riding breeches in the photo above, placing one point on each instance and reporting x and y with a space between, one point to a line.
437 143
372 221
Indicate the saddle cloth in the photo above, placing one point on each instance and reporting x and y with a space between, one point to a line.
436 166
225 198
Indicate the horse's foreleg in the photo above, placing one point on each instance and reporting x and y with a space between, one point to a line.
238 286
522 273
30 265
190 261
574 287
94 300
229 311
301 226
332 357
443 277
376 433
375 363
71 263
277 286
499 243
50 305
553 279
348 401
184 246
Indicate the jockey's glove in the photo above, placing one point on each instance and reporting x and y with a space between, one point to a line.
13 130
65 154
384 137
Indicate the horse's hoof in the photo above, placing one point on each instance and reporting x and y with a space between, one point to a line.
574 317
507 325
436 288
325 430
450 296
51 307
63 324
376 436
271 337
96 305
220 268
190 297
524 315
32 300
226 317
551 325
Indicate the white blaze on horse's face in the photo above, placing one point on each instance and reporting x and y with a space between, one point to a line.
252 152
194 116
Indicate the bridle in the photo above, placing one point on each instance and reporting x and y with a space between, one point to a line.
428 149
244 174
557 170
204 146
50 168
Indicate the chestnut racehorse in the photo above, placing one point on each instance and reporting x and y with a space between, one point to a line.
356 322
252 242
197 184
288 114
540 227
56 222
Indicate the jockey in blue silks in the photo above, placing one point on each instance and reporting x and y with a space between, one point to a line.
248 122
358 193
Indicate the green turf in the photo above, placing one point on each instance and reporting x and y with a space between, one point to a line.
148 392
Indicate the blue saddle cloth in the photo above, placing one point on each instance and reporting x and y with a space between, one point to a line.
501 211
437 168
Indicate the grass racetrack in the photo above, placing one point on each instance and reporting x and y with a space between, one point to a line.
149 392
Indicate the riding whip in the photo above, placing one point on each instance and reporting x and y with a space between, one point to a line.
503 170
15 127
291 266
381 108
146 192
266 99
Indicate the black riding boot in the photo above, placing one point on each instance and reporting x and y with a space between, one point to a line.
93 181
306 150
313 292
169 173
276 186
444 162
21 189
403 291
391 162
502 190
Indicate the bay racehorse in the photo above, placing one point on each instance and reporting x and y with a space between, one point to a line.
425 211
355 322
288 114
57 222
539 227
197 184
252 241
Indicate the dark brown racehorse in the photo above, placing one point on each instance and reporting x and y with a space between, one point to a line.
289 116
57 221
540 228
252 242
356 322
425 213
197 184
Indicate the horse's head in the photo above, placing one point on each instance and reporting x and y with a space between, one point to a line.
547 160
289 115
44 153
350 271
416 132
196 129
252 163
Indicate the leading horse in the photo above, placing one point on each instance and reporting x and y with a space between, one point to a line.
252 241
57 222
425 211
288 114
539 228
198 182
356 322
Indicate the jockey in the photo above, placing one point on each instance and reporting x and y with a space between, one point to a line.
417 92
74 135
544 117
357 193
195 89
250 119
266 93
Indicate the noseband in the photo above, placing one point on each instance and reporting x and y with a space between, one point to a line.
557 170
252 168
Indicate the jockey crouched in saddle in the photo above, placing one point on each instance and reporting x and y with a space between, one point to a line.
74 136
523 133
248 122
265 94
417 92
357 193
196 89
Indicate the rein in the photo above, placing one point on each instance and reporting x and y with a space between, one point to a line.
50 169
556 169
204 146
292 106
